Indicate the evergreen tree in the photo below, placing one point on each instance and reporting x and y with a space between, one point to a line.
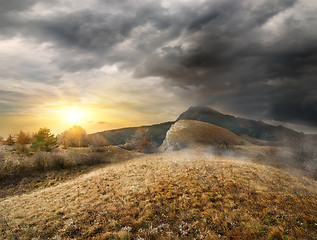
44 140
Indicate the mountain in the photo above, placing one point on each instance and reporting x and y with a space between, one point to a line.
247 128
190 133
256 132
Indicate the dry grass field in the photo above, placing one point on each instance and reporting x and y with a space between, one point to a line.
22 174
189 194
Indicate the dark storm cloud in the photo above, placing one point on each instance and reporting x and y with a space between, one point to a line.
227 52
16 5
229 57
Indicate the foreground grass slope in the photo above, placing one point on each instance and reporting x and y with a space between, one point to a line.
179 195
21 174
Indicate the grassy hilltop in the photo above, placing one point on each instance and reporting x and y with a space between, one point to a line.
190 194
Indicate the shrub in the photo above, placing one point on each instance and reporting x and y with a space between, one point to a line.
98 141
23 138
272 153
44 140
223 147
58 161
2 156
23 150
301 150
92 159
11 168
9 141
142 141
44 161
40 161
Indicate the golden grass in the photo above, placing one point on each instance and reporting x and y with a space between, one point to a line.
78 161
179 195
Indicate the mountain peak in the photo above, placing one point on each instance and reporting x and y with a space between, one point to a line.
202 109
197 112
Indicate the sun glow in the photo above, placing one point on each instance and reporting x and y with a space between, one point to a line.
73 115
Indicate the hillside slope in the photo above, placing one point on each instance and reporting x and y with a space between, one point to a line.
123 135
239 126
176 195
189 133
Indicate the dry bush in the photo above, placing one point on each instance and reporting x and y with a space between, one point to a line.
45 161
271 152
303 152
142 141
9 141
11 168
92 159
97 142
40 161
59 161
223 147
23 138
2 156
22 150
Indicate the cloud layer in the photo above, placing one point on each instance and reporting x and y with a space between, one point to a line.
256 58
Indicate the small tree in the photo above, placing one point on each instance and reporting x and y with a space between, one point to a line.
23 138
10 141
44 140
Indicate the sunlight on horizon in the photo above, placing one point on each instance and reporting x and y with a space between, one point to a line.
74 115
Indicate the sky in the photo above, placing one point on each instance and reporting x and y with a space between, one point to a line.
105 64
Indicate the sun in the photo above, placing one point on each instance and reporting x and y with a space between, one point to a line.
73 115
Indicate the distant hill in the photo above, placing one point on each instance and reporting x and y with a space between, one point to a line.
247 128
190 133
256 132
123 135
